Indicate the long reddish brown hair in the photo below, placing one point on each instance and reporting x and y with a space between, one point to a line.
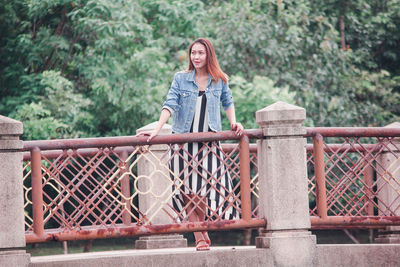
212 63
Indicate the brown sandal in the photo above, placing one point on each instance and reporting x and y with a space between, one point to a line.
202 247
208 241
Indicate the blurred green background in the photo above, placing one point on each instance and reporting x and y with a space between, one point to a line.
85 68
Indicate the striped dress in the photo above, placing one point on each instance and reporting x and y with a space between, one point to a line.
197 170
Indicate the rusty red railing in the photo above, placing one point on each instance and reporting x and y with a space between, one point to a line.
354 177
92 187
89 188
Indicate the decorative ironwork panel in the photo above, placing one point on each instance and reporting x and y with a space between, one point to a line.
110 186
363 178
27 188
254 184
311 183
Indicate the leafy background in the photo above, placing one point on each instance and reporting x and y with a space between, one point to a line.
101 68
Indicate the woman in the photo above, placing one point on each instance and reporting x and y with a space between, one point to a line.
194 101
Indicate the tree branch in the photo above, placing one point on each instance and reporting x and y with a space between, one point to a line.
342 25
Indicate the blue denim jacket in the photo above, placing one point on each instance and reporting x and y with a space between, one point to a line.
182 97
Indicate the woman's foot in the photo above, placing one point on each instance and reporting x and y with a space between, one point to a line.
206 237
201 245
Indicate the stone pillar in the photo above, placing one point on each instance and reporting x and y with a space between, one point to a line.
12 226
283 186
388 181
155 189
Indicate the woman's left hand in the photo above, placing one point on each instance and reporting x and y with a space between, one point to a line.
237 127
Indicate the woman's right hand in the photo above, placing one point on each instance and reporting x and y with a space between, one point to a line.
151 135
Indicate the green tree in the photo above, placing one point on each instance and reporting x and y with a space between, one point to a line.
96 68
296 45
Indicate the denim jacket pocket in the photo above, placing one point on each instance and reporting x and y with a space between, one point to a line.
184 96
217 92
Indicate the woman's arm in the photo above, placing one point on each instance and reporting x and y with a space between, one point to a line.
235 126
170 105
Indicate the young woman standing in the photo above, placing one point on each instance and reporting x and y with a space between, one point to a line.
194 101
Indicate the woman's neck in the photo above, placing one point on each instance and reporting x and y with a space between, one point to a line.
201 72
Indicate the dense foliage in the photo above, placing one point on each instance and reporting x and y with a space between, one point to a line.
97 67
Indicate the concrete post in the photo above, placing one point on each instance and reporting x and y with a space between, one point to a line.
12 226
388 181
155 189
283 186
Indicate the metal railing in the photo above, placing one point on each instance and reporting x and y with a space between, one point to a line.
354 177
91 187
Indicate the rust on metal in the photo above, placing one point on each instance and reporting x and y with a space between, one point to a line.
140 230
356 221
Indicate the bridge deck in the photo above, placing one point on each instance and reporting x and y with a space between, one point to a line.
326 255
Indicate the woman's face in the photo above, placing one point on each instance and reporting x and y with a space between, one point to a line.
198 56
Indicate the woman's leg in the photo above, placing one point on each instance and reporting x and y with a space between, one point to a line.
195 210
201 213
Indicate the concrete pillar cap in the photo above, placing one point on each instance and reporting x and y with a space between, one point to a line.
396 140
281 118
166 129
10 127
393 125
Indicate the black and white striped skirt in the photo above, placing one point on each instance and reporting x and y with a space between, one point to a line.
199 169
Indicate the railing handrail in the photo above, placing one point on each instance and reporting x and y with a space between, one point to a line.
115 141
353 131
76 143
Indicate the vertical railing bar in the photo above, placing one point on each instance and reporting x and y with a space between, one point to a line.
61 205
319 166
125 189
245 194
37 192
368 179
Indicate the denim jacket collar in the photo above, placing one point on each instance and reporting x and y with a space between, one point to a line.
182 98
191 77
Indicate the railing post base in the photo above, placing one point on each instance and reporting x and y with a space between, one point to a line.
161 241
388 237
12 232
289 248
14 258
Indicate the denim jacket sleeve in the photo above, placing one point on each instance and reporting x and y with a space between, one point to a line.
226 96
172 101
